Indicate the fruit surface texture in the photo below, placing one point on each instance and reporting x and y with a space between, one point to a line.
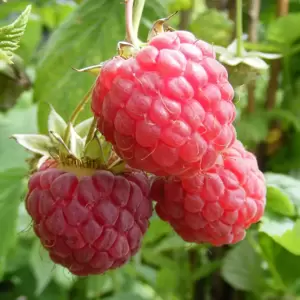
89 224
215 207
168 109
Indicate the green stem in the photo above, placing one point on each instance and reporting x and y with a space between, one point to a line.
76 112
239 27
131 35
138 8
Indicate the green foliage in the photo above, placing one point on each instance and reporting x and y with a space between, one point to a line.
242 268
77 43
10 36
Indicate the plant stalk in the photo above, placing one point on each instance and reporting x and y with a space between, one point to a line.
138 8
239 27
131 36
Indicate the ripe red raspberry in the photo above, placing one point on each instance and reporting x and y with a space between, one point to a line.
91 223
168 110
216 206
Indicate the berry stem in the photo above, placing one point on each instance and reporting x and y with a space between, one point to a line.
138 8
239 27
131 33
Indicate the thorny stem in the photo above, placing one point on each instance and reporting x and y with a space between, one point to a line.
239 27
131 36
138 8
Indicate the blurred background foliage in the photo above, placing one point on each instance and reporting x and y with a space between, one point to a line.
62 34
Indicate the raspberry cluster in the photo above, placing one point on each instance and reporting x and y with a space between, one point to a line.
167 110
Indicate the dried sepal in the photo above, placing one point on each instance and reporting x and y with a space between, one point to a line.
95 69
126 50
159 26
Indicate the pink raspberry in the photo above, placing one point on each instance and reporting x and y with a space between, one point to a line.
169 109
89 224
217 206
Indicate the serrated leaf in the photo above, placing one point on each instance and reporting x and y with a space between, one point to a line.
12 188
76 143
10 35
80 41
279 202
242 268
82 128
41 266
36 143
56 123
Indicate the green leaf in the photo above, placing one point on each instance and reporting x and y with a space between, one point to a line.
279 202
242 268
157 230
12 188
81 40
284 30
10 35
56 123
282 230
166 280
213 26
12 155
283 265
287 185
252 128
41 266
98 285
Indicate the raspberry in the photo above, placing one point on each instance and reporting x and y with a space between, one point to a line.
91 223
216 206
168 110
